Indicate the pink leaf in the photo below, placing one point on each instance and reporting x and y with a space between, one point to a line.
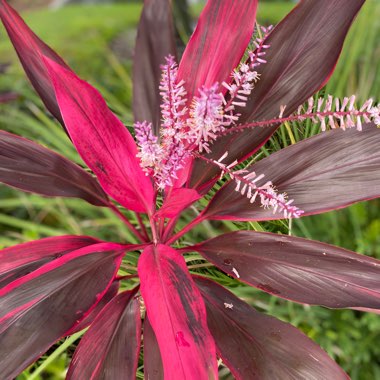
40 307
177 201
177 314
102 140
110 348
218 43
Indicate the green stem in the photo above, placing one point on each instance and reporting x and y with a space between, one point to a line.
290 132
127 222
142 226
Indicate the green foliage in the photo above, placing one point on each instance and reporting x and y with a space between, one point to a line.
358 70
269 13
87 36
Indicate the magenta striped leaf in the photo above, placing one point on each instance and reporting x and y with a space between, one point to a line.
313 172
110 348
30 50
177 314
102 140
31 167
107 297
40 307
153 368
21 259
177 201
155 41
218 43
301 270
256 346
301 59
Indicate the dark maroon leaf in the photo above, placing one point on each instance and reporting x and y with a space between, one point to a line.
29 49
155 40
31 167
152 358
298 269
110 348
6 97
108 296
325 172
22 259
39 308
3 67
257 346
177 314
218 43
304 49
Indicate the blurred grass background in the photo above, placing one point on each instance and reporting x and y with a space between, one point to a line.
97 41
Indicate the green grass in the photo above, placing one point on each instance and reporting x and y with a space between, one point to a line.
83 36
78 33
358 71
271 13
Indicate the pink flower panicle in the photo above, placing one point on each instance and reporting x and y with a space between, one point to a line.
173 96
374 114
163 160
206 118
150 151
184 131
173 111
172 161
330 112
244 78
190 132
340 114
246 184
173 99
257 56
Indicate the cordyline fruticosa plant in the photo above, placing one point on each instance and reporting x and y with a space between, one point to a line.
194 122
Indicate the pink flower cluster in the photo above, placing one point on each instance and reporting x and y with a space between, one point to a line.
187 132
245 77
247 183
337 114
163 159
206 118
